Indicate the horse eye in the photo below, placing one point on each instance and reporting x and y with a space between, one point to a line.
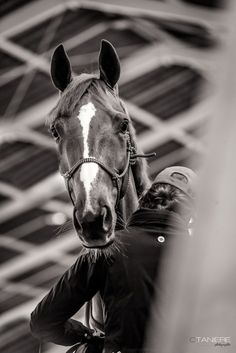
54 132
124 126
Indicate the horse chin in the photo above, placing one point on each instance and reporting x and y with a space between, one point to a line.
98 245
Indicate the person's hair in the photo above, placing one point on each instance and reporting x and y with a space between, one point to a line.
166 197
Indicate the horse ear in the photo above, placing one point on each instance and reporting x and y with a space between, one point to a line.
109 63
60 68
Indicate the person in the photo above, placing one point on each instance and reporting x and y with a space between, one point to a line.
126 278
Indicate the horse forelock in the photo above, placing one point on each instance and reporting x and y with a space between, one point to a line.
70 98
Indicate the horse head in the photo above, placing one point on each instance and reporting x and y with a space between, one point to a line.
93 133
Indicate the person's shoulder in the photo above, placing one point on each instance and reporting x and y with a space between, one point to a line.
88 262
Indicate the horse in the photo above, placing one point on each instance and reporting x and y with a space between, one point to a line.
98 153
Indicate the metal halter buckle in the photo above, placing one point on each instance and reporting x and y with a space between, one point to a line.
67 175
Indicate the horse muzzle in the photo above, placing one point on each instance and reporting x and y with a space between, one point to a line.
95 229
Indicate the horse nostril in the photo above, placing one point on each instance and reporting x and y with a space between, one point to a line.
107 218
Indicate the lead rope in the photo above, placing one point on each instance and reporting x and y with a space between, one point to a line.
140 155
133 155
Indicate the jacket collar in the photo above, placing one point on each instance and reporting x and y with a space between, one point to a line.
148 218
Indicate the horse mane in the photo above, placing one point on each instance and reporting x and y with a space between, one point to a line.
140 168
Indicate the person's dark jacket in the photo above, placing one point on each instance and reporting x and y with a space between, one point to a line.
126 282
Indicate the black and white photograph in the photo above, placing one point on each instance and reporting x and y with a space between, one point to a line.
117 176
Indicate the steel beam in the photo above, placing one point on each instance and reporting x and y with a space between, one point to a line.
28 16
162 10
34 196
25 55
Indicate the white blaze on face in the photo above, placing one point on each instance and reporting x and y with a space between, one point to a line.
88 171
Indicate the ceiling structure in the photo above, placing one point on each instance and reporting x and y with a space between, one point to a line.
168 53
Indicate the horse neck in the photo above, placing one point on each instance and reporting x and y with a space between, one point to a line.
129 203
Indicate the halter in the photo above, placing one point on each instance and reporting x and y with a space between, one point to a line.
120 181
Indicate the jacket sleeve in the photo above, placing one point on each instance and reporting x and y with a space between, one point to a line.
51 320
